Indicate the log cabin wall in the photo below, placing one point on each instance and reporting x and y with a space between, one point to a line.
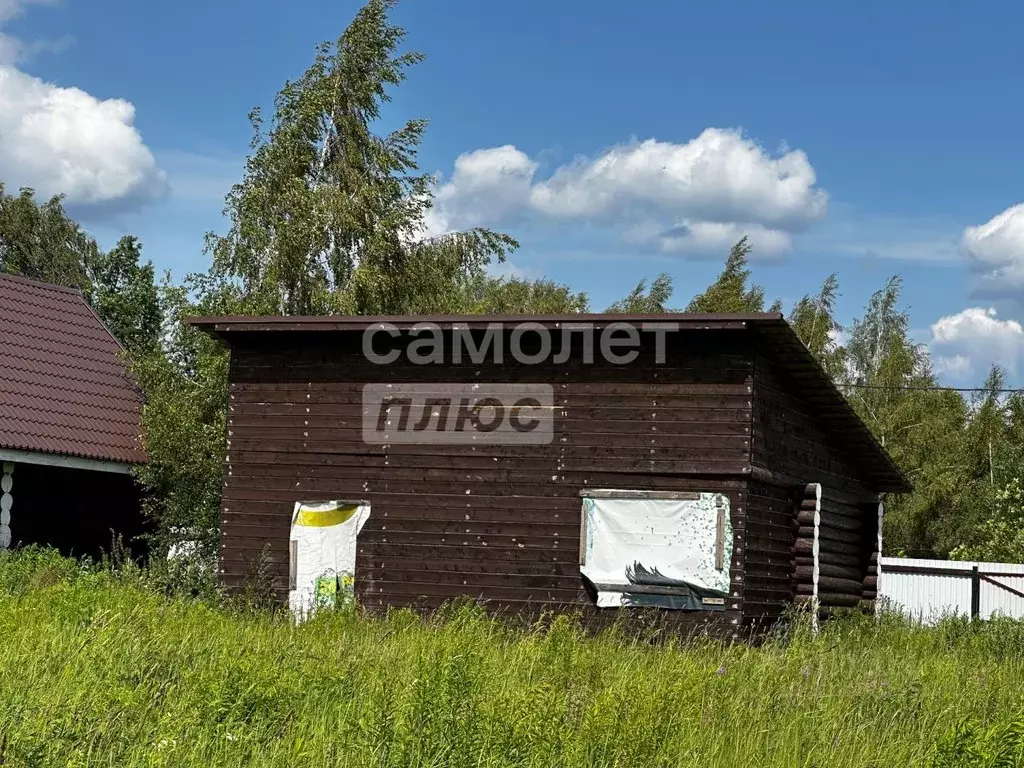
806 547
872 554
846 535
497 523
789 441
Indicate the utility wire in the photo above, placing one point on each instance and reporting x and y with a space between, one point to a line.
926 389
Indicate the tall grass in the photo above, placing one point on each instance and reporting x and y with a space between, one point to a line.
99 668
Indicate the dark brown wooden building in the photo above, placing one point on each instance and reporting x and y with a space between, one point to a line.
70 424
727 405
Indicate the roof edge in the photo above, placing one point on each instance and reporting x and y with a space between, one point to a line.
68 461
242 323
900 482
41 284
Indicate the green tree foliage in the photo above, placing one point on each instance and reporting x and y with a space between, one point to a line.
124 294
730 291
328 218
928 522
884 363
646 301
890 382
516 296
987 462
987 436
40 241
328 215
813 319
999 537
185 381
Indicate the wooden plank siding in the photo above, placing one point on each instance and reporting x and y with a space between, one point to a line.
788 438
501 523
497 523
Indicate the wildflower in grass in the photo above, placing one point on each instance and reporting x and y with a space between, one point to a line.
721 670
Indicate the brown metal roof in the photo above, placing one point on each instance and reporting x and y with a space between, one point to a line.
63 386
775 337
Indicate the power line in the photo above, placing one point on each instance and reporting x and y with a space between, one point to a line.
927 389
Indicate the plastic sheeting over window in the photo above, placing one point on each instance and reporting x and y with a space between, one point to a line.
664 550
323 553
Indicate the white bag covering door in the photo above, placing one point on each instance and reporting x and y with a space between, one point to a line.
648 550
323 553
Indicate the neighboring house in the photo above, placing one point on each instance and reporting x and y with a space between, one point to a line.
70 429
712 471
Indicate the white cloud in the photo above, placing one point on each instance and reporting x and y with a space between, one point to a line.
720 176
974 339
957 366
996 248
11 48
63 140
702 195
486 186
714 236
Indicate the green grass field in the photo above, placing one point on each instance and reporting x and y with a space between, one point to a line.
100 669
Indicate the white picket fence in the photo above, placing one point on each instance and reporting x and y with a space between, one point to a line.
926 590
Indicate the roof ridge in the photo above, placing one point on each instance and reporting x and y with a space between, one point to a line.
41 284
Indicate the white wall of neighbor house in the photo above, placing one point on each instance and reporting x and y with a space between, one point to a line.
6 502
947 590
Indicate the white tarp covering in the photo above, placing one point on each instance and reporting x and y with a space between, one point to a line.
646 544
323 553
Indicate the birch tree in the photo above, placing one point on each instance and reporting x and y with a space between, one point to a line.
330 216
813 319
731 291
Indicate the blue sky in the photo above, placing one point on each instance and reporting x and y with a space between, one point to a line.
614 143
